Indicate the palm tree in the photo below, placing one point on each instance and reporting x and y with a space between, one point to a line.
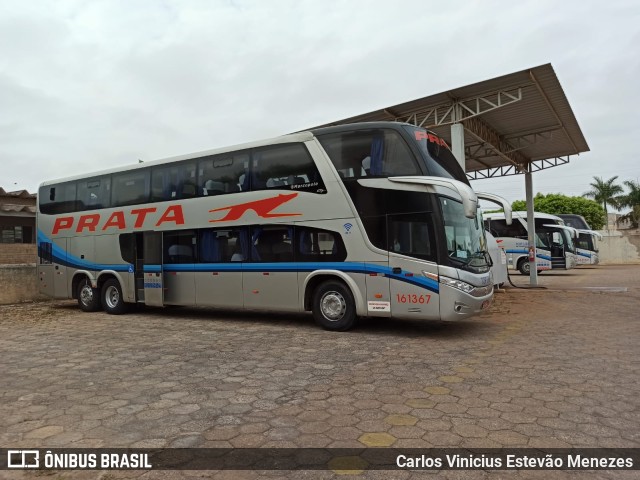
605 192
631 199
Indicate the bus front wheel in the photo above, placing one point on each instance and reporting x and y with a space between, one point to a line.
112 300
334 307
524 267
88 298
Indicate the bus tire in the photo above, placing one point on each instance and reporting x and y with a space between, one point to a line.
334 307
524 267
112 300
89 298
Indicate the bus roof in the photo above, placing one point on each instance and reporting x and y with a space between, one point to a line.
523 215
302 136
289 138
575 221
347 127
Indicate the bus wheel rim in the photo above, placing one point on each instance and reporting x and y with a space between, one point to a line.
86 295
112 297
333 306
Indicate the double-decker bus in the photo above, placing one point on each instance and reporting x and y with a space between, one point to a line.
361 220
555 247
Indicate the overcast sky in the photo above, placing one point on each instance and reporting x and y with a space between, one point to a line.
88 85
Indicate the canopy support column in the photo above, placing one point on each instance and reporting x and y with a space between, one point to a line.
531 228
457 144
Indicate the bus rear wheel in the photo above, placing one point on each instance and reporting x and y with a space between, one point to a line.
334 307
88 298
112 300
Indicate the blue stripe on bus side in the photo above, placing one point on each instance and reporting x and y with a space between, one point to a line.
64 258
351 267
588 255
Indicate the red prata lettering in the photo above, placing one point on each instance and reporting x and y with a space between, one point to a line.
115 220
172 214
141 214
423 135
88 221
62 223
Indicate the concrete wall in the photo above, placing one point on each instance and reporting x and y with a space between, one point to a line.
18 283
18 253
620 247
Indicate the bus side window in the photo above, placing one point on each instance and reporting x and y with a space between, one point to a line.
56 199
222 174
130 188
94 193
288 167
316 245
223 245
179 246
272 244
173 182
370 153
501 229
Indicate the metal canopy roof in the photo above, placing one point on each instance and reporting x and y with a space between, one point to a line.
517 122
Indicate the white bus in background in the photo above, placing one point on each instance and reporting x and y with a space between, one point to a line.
362 220
587 251
555 246
587 242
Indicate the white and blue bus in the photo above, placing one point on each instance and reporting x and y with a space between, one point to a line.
555 247
361 220
587 242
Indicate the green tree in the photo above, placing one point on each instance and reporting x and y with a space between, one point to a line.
605 192
555 203
631 200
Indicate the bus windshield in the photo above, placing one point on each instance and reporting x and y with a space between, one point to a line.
568 241
466 242
438 158
587 242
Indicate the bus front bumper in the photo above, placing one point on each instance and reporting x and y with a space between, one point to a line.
457 305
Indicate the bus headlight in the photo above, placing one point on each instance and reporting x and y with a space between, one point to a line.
466 287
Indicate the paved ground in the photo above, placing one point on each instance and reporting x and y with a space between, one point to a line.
544 368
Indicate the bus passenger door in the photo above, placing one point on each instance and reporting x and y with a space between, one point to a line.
413 294
152 268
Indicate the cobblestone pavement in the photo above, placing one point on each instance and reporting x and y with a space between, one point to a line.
543 368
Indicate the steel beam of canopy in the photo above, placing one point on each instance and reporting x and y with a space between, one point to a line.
490 138
463 113
457 110
505 171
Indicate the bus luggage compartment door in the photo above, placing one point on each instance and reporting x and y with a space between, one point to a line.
60 276
152 269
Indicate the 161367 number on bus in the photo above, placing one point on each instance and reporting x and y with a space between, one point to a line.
413 298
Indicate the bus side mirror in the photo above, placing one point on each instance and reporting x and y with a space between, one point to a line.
506 206
464 191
